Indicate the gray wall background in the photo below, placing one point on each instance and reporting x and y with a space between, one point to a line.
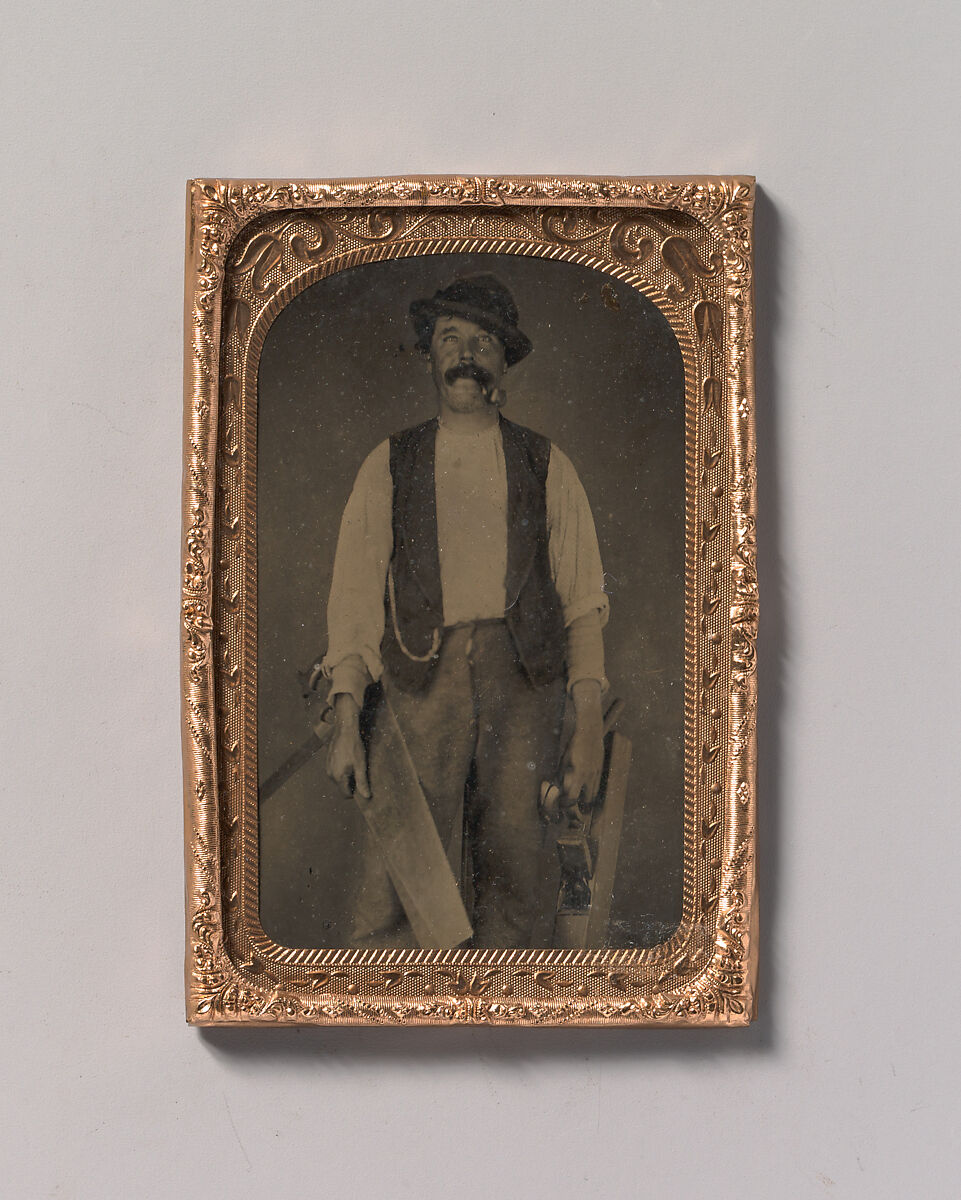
847 1084
339 373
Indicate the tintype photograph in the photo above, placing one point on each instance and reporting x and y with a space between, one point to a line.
471 515
470 601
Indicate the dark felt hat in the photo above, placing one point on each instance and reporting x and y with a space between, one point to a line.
482 299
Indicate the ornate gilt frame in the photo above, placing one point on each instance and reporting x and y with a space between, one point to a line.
251 246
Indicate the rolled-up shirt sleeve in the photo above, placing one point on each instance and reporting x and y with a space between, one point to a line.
577 570
355 612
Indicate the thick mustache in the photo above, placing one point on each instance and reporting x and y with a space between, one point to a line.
467 371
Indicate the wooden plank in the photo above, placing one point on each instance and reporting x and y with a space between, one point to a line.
606 832
398 815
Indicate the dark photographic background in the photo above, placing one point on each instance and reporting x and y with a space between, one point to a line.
338 374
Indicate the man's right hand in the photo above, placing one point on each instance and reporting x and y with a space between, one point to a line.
347 758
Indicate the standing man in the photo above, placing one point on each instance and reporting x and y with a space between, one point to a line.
468 582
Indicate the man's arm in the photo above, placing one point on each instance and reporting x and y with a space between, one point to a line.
579 580
584 759
355 615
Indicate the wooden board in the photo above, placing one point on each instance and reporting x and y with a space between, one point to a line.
399 817
606 832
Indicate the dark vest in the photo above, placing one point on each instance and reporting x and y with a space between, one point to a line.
533 613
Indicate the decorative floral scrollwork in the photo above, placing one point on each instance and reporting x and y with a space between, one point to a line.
320 240
708 321
630 244
466 983
237 318
262 255
382 225
711 391
562 225
681 258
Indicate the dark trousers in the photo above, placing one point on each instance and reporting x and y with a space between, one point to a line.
483 736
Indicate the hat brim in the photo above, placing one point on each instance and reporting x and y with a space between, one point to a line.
424 314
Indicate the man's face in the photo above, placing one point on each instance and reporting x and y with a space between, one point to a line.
467 363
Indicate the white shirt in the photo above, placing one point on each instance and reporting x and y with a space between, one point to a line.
470 485
470 479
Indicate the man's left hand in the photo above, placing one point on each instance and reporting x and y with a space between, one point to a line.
584 759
